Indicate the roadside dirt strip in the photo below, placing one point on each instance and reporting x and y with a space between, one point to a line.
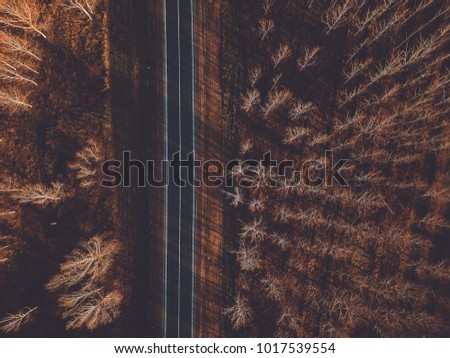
210 134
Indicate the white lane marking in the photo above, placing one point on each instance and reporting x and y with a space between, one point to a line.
166 155
179 196
193 188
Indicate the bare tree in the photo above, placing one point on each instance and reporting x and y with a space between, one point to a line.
347 96
299 109
87 263
385 26
22 14
13 100
267 5
367 201
438 15
246 146
273 287
40 195
290 319
387 95
283 53
310 3
294 134
426 47
7 186
250 100
2 252
309 58
83 272
237 197
337 15
254 75
86 7
10 71
283 214
99 309
265 27
70 301
277 98
240 314
369 178
7 213
320 139
381 27
391 291
13 322
248 257
256 231
356 68
85 164
439 271
275 81
256 205
20 63
435 222
419 8
373 15
281 240
441 196
395 63
14 44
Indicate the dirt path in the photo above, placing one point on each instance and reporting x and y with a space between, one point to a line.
209 146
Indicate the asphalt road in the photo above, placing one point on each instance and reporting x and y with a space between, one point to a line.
179 202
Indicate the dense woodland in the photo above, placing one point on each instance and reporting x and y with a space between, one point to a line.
368 80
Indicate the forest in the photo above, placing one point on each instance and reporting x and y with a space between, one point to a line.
368 81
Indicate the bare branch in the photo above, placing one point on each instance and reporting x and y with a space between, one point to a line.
309 58
256 205
86 7
246 146
236 197
373 15
273 287
256 231
85 164
265 27
426 47
294 134
435 222
13 100
249 258
41 195
254 75
22 15
9 71
356 69
86 263
97 311
283 53
337 15
13 322
250 100
300 108
240 314
16 45
267 5
275 81
277 98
